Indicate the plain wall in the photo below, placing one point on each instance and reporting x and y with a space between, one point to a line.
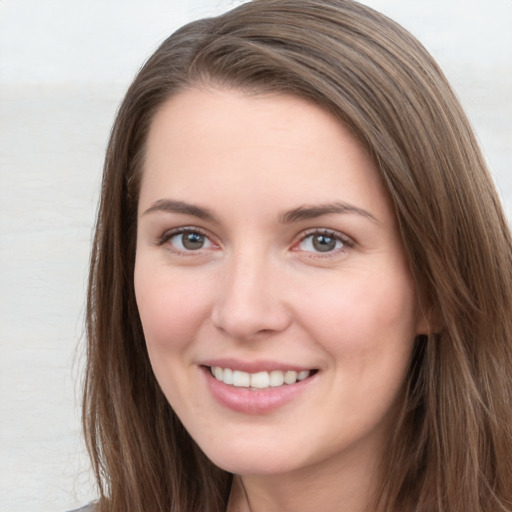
64 65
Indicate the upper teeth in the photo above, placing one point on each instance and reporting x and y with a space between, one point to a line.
258 380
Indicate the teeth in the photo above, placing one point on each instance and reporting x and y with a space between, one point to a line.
290 377
218 373
260 380
227 377
241 379
303 375
276 378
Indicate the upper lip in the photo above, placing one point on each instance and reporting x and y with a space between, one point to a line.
254 366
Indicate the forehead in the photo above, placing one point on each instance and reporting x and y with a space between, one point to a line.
206 143
214 110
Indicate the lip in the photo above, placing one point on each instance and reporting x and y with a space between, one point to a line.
252 401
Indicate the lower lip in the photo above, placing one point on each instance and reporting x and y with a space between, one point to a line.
255 401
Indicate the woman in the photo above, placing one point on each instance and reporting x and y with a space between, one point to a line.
301 277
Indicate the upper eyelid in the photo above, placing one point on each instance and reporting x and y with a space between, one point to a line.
328 232
168 234
348 244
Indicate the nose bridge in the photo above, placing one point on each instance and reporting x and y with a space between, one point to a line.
249 299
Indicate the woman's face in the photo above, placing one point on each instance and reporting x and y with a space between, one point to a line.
277 305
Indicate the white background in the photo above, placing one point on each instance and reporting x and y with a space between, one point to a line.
64 65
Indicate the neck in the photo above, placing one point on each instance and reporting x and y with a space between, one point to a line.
347 488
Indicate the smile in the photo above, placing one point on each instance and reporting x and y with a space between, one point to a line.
259 380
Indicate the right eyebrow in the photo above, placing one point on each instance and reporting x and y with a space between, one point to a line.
173 206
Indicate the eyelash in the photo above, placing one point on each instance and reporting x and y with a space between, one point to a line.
168 235
347 243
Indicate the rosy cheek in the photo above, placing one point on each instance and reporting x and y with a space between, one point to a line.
360 313
170 310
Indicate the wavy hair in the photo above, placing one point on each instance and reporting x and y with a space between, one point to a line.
451 448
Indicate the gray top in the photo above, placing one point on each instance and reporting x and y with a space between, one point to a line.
87 508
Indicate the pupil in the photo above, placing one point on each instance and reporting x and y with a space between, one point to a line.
324 243
193 241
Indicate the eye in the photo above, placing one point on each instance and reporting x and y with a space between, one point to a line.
187 240
323 242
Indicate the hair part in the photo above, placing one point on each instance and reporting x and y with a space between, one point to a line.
450 450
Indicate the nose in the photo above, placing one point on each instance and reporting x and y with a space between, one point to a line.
250 301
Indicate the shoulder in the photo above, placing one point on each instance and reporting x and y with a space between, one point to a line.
87 508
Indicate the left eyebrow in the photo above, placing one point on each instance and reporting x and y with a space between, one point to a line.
312 211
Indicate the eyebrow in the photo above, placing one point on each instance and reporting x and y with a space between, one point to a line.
312 211
173 206
304 212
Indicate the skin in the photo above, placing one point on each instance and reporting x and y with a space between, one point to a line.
258 289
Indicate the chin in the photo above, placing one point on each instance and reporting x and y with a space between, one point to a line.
257 460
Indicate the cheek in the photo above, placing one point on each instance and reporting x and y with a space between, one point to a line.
364 317
368 330
171 307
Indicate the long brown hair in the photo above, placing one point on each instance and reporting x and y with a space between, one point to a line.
451 450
